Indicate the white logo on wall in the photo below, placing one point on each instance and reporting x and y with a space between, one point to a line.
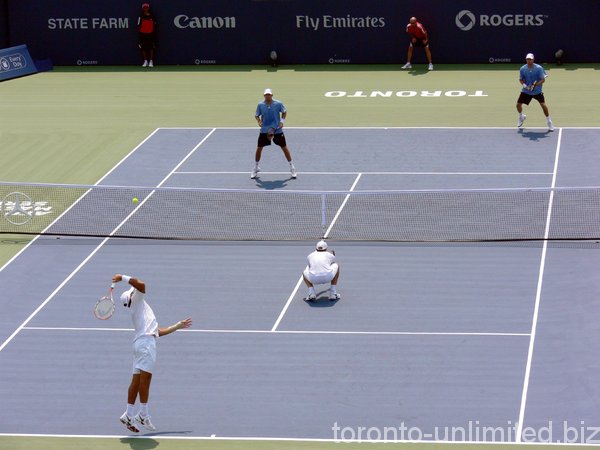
18 208
88 23
466 20
184 21
315 23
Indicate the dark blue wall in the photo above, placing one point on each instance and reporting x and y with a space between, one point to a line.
72 32
3 24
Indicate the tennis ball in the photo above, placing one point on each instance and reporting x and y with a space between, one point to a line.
135 200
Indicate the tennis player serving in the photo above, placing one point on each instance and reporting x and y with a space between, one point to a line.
531 78
144 350
270 116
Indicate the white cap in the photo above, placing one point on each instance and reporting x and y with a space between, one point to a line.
268 91
321 245
125 296
529 56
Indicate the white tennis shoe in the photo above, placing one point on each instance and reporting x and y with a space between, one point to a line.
521 120
430 67
151 63
293 172
550 125
145 422
311 297
407 66
128 422
145 64
254 173
335 296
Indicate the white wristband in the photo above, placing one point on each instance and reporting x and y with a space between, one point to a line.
282 120
126 278
525 85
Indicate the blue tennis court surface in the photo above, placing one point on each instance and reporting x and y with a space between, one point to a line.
464 342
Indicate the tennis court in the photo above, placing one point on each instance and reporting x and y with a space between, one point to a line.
480 339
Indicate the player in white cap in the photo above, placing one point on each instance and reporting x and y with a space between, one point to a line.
322 269
144 350
531 77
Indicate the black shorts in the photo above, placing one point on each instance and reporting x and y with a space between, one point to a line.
526 98
146 41
420 42
278 138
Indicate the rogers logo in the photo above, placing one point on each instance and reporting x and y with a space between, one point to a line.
466 20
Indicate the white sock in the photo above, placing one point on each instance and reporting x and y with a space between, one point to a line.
291 164
520 115
548 119
144 409
311 290
130 410
333 289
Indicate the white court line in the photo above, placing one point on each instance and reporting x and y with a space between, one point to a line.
538 296
299 283
339 211
341 441
381 128
333 332
364 173
78 268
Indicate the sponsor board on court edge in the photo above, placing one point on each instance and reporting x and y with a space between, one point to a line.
405 94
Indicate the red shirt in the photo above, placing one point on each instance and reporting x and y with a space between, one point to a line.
146 24
417 30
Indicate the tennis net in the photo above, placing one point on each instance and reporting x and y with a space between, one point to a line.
237 214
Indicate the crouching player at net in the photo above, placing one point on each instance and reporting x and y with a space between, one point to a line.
322 269
144 350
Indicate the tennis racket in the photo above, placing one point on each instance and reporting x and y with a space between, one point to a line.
532 86
105 307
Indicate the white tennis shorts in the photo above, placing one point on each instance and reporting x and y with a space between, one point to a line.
144 354
321 278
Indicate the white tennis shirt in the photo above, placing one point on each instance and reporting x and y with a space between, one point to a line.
319 263
142 316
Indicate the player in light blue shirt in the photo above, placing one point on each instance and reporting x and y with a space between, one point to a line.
270 116
531 77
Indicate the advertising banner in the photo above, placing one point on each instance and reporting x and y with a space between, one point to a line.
104 32
15 62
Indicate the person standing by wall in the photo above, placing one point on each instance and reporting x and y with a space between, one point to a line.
147 35
418 38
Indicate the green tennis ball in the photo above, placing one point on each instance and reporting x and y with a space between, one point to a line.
135 200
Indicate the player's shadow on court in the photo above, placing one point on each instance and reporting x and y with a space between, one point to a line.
322 300
534 135
140 443
274 184
418 71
